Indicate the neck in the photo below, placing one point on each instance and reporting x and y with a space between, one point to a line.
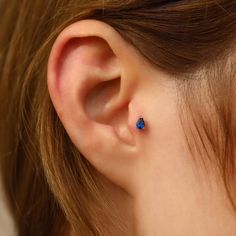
168 210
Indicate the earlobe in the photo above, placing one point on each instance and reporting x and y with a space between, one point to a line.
92 95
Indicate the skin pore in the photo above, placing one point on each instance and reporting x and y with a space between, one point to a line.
100 85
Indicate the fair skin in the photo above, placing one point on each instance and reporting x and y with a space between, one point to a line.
100 85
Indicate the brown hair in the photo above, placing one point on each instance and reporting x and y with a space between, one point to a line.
43 172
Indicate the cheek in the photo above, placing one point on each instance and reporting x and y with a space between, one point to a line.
164 127
164 144
163 140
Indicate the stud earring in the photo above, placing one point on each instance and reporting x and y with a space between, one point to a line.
140 124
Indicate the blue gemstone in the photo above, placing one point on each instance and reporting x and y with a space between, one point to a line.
140 124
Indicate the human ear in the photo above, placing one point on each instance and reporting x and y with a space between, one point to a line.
92 86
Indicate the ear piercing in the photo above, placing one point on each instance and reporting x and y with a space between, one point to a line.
140 124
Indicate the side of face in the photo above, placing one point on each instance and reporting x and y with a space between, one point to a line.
100 85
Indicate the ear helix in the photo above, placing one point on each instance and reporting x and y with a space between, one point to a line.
140 124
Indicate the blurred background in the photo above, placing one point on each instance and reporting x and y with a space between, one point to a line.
7 227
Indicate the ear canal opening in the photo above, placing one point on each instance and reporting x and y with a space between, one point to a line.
99 100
